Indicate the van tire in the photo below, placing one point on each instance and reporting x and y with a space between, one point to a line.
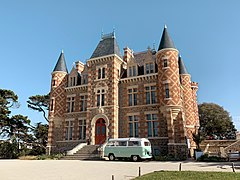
111 157
135 158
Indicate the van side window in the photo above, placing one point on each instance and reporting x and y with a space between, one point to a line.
111 143
133 143
146 144
121 143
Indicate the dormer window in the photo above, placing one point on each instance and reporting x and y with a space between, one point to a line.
149 68
72 81
132 71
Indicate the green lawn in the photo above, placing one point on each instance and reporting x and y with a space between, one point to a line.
193 175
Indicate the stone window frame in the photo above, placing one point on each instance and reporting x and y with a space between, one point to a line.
82 127
134 124
100 94
133 94
154 123
54 82
165 62
83 101
99 72
148 64
71 103
150 91
69 129
133 72
167 84
52 104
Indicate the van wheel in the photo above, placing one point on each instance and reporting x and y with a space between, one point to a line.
135 158
111 157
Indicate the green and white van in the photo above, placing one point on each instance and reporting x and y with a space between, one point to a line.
134 148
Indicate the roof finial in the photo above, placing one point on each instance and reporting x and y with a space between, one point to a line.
165 26
102 33
62 51
114 31
154 46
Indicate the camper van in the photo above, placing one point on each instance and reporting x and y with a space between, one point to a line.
134 148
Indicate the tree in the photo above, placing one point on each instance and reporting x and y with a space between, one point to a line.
39 103
215 122
41 134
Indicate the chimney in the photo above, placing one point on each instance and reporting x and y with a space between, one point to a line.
128 54
79 66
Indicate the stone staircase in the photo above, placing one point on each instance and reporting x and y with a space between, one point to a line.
88 152
234 147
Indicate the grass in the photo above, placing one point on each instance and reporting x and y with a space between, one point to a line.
185 175
42 157
27 157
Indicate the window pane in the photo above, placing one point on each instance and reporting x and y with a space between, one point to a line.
136 129
135 99
147 98
150 129
130 99
70 133
155 129
103 72
130 71
130 130
98 100
153 97
151 68
66 133
99 73
134 71
102 99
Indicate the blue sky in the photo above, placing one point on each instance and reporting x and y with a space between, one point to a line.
206 33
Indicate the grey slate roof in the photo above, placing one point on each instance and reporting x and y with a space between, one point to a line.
61 64
182 68
108 45
166 41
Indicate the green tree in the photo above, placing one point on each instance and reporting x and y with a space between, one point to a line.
39 103
41 134
215 121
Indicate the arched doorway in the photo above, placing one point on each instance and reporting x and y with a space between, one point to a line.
100 131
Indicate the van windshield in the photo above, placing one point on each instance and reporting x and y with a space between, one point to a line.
147 143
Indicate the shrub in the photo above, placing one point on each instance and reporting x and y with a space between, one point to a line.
207 158
9 150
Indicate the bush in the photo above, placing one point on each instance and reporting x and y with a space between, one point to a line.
207 158
9 150
167 158
48 157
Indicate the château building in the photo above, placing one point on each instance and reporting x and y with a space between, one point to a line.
140 94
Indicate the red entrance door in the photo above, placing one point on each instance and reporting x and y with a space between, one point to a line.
100 131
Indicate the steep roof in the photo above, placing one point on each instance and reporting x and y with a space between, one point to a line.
61 64
108 45
166 41
182 68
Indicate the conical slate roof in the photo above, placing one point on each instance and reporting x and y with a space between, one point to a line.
166 41
108 45
61 64
182 68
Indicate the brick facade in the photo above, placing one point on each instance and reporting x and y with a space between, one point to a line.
140 95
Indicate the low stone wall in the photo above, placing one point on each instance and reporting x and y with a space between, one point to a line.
63 146
213 146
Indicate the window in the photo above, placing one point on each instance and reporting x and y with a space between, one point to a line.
69 130
165 63
132 71
85 78
101 73
83 101
167 91
70 104
52 105
72 81
100 97
149 68
54 83
133 126
152 125
134 143
150 94
132 97
82 129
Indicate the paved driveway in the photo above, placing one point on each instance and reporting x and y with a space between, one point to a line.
95 170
